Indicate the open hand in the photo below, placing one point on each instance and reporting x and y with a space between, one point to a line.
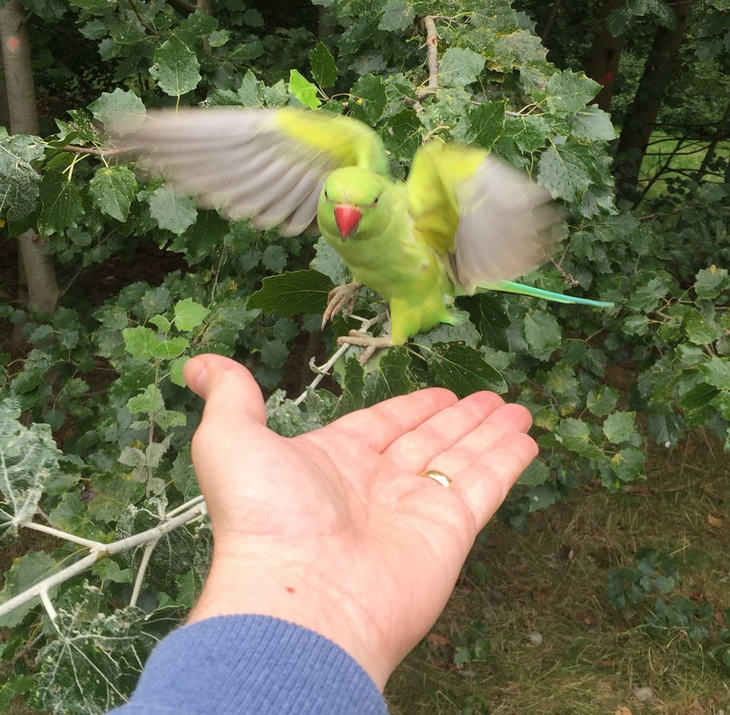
336 529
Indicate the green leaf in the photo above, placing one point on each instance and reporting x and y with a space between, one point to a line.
189 314
698 396
18 179
536 473
112 189
717 372
29 458
369 98
324 69
121 112
628 464
327 261
543 334
620 427
274 258
148 401
388 376
575 435
699 329
711 282
274 353
171 211
27 571
565 171
176 68
568 92
487 122
397 16
462 369
460 67
161 323
167 419
170 348
140 342
176 371
303 90
601 400
593 124
61 204
292 293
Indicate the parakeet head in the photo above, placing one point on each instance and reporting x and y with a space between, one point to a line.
354 204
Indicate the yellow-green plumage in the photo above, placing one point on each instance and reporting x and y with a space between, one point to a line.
463 221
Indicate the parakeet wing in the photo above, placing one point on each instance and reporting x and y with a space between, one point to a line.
487 220
267 165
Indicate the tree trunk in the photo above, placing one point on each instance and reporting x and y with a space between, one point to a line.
36 269
641 118
720 134
4 115
605 54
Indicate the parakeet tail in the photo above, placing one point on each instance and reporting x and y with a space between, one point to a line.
520 289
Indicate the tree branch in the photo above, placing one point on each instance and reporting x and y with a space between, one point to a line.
432 45
100 552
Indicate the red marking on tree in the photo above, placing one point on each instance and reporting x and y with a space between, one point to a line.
13 43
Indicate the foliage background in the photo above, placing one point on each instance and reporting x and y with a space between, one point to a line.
94 420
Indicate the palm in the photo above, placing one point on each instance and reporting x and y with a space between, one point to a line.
346 502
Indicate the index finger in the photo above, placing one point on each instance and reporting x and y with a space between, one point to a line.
380 425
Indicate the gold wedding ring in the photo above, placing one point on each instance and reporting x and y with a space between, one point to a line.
437 476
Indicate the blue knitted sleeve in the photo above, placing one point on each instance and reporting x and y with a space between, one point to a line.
254 665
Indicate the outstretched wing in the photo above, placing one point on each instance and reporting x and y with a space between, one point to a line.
267 165
488 221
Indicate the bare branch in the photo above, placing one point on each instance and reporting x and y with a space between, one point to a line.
432 45
100 552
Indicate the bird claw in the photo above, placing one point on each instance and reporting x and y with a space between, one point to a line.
341 300
363 340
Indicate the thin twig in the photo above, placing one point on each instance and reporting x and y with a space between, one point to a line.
323 370
90 150
104 550
63 535
141 571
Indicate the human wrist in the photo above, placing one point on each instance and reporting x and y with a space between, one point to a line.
286 589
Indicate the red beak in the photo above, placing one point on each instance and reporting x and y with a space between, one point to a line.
347 219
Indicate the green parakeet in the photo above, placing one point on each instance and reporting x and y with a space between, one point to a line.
463 221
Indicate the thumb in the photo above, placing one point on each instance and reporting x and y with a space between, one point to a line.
230 392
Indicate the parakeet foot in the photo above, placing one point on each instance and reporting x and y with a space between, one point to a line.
363 340
341 300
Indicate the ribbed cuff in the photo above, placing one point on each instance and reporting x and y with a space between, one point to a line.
252 664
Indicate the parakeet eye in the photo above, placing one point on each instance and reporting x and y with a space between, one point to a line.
377 198
326 195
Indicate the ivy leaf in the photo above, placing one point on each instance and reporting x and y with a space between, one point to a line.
543 334
303 89
462 369
172 212
189 314
397 16
121 112
27 571
324 69
602 400
291 293
568 92
112 189
274 258
18 179
592 123
460 67
176 68
327 261
29 458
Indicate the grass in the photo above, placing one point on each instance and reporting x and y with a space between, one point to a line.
552 580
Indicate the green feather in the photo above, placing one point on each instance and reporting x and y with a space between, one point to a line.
520 289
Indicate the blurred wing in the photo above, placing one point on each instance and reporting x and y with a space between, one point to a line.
267 165
488 221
